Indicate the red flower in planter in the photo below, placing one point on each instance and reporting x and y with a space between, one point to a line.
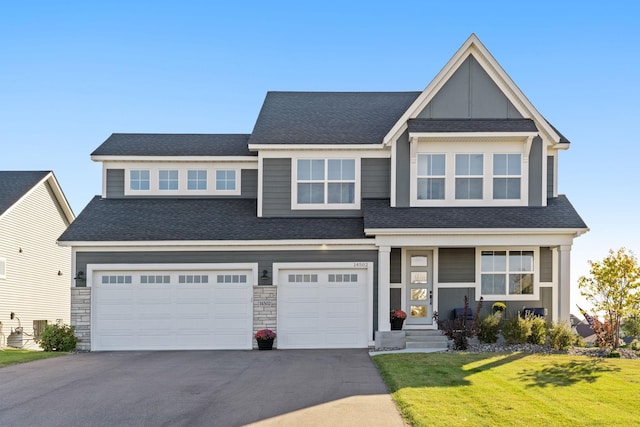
265 334
398 314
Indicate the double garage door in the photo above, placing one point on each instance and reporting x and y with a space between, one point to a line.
191 309
160 309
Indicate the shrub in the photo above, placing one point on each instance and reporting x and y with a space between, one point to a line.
489 328
635 345
460 330
560 336
614 354
538 328
631 326
58 337
516 330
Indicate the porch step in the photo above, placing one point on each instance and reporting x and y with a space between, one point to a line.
425 339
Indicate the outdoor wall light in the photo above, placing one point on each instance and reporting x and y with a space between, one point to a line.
59 273
265 275
79 276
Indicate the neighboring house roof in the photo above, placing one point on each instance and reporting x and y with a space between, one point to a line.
558 214
14 185
472 125
329 117
159 144
171 219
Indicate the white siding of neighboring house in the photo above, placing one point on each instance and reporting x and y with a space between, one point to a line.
33 290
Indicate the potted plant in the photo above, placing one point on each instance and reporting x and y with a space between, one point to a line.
397 319
264 338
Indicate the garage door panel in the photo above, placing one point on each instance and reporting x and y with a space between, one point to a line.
172 314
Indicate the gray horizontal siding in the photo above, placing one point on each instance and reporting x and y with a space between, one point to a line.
535 173
456 265
451 298
249 184
115 183
546 265
376 174
396 266
550 176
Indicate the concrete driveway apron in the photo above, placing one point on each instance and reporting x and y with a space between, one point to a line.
198 388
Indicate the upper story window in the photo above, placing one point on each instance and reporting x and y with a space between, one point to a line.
196 180
469 176
139 179
431 176
326 182
225 180
507 273
507 173
168 179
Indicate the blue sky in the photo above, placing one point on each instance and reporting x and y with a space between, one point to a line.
72 73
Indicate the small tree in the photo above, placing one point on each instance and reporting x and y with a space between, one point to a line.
631 326
613 288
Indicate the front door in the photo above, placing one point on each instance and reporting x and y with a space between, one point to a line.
419 289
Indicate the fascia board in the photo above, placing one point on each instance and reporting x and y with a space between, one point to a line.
473 231
461 135
174 158
321 147
226 244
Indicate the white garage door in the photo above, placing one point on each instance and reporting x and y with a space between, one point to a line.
322 308
172 310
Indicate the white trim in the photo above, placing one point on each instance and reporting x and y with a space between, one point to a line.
393 189
574 232
472 135
473 46
174 159
92 268
370 150
226 245
260 184
469 239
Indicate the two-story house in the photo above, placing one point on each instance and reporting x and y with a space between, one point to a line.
337 208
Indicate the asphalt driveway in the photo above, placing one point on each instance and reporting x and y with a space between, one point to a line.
197 388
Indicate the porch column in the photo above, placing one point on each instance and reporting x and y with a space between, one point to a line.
384 288
564 282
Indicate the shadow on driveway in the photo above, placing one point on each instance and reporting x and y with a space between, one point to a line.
197 388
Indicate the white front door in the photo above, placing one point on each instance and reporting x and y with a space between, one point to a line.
419 288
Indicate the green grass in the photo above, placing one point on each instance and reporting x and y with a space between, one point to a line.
12 357
489 389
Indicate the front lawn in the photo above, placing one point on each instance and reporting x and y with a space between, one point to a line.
433 389
13 356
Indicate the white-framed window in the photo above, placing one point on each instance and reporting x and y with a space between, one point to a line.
431 176
168 179
231 278
193 278
3 268
326 182
302 278
139 180
196 179
507 272
507 176
343 278
116 279
225 180
469 171
155 278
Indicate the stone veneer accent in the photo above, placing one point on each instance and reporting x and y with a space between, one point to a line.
265 310
81 316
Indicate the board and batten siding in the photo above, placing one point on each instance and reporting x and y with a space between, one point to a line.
535 173
248 185
276 193
32 289
550 176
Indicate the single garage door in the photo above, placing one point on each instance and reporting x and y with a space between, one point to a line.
322 308
172 310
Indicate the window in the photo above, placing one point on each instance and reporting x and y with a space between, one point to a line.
507 272
3 268
151 279
196 180
115 279
507 171
303 278
431 176
193 278
469 172
232 278
168 180
344 278
139 179
321 181
225 180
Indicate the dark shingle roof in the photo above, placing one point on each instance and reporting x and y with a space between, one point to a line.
159 144
472 125
329 117
14 185
105 220
559 213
